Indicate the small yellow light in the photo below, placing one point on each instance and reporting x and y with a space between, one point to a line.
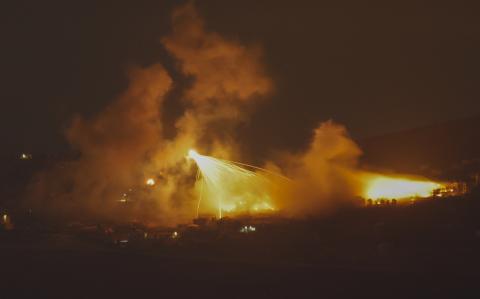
25 156
150 182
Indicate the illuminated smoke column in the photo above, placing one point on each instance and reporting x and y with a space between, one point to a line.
125 145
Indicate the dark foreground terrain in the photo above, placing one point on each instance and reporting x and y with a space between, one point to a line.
426 250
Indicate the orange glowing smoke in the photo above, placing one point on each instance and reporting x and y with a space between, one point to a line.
126 145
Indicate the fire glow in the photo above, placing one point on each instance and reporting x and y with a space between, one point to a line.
383 187
135 155
229 187
233 188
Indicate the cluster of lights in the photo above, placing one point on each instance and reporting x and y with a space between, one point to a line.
247 229
150 182
124 198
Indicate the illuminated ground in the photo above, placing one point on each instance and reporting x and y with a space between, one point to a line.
426 250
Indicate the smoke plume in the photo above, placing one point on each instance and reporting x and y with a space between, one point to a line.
324 174
128 170
123 145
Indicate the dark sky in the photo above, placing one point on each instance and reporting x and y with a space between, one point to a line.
377 67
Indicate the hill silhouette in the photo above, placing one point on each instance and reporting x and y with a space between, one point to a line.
445 150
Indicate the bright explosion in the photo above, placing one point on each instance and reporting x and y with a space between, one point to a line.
230 187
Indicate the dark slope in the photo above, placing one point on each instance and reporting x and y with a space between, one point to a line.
449 149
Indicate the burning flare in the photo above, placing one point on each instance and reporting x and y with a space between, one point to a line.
192 154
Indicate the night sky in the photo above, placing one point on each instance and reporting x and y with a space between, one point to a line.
377 67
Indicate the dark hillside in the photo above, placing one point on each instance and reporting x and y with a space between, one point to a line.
449 149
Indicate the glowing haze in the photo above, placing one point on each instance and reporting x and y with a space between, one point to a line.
129 170
383 187
230 187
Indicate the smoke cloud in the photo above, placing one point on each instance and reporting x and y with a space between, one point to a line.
123 145
322 175
223 70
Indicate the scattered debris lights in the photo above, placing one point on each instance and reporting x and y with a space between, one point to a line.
247 229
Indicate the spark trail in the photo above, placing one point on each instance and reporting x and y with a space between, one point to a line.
231 187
